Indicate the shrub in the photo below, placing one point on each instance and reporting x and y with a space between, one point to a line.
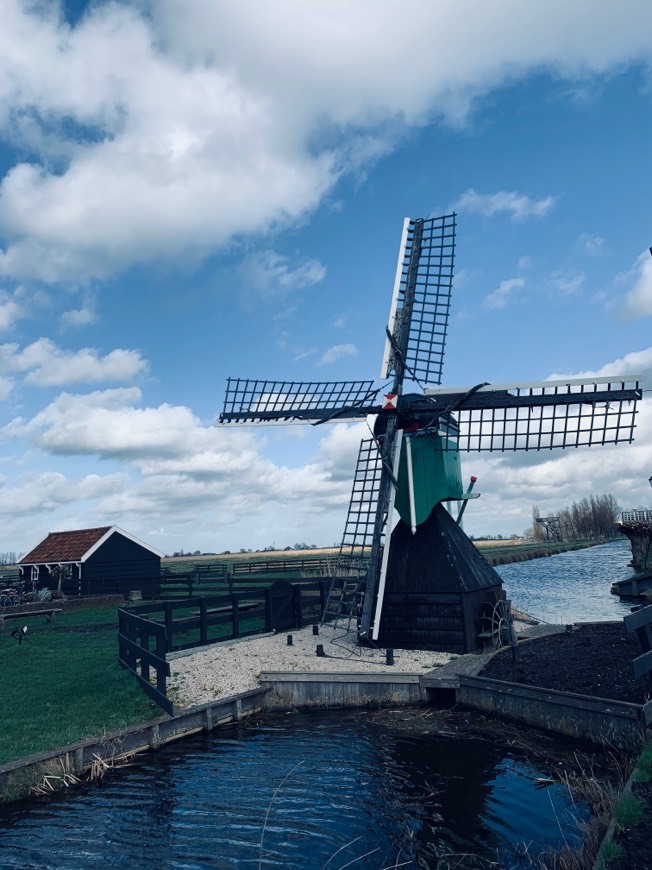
629 811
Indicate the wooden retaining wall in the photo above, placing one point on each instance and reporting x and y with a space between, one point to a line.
290 690
18 778
615 723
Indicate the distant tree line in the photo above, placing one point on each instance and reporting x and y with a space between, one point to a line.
8 558
589 519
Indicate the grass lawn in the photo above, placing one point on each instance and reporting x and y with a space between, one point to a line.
64 683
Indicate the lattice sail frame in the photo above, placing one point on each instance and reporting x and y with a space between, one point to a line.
360 519
255 401
546 415
426 260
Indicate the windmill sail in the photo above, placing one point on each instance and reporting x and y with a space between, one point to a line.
347 585
543 415
254 401
419 312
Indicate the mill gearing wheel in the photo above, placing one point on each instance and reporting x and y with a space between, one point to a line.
501 624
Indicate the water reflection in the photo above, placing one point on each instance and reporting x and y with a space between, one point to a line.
296 791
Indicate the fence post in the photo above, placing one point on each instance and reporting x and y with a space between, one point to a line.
203 626
167 613
144 642
131 655
121 631
235 613
298 606
161 649
268 610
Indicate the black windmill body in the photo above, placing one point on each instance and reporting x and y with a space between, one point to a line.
421 583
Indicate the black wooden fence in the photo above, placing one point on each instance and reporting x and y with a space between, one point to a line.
204 578
268 566
640 621
170 626
135 636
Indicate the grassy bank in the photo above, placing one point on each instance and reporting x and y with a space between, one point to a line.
64 683
504 553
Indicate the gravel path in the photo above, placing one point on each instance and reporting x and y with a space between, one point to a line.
234 666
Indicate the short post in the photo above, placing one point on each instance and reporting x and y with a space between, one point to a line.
315 629
144 643
235 613
389 657
289 641
203 621
320 650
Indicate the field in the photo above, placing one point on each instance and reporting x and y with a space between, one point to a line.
63 683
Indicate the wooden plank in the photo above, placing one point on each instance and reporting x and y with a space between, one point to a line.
330 677
638 619
50 611
150 657
642 664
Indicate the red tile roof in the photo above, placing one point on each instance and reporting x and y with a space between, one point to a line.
64 546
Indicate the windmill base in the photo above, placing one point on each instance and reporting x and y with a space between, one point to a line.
439 590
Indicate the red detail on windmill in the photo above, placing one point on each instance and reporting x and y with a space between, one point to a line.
391 403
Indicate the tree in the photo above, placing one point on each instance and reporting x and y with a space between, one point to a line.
589 519
537 528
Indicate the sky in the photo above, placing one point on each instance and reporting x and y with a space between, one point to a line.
192 190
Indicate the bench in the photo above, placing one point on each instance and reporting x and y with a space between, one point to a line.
48 612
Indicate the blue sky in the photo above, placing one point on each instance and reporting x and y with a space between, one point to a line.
189 191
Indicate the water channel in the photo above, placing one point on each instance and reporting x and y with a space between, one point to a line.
429 788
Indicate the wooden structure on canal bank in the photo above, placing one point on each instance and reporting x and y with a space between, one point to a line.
637 527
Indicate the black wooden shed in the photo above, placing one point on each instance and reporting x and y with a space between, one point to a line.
91 562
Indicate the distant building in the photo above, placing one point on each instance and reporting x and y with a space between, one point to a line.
91 562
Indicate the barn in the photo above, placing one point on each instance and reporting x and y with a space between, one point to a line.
98 561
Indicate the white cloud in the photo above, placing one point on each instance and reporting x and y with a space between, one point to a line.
6 386
47 365
518 205
568 281
504 293
592 244
10 311
638 302
337 351
168 129
176 472
270 277
637 362
86 315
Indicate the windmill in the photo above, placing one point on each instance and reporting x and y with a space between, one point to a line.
410 585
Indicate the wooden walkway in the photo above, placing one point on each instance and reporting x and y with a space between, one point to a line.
447 676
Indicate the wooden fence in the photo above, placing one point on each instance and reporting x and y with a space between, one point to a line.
321 564
640 621
135 636
171 626
216 578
